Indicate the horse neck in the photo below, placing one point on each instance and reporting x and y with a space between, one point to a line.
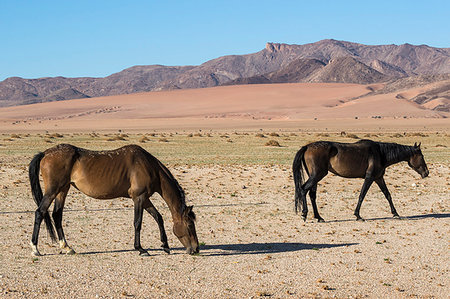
395 153
173 195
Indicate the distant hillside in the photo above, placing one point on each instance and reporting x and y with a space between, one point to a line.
323 61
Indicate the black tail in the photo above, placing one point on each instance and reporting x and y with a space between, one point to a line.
297 169
33 173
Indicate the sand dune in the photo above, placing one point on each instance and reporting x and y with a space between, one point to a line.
250 105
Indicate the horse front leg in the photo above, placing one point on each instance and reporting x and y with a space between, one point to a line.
138 211
382 184
150 208
367 183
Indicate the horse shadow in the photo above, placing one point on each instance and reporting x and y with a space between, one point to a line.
264 248
231 249
413 217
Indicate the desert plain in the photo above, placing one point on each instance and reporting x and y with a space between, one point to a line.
253 244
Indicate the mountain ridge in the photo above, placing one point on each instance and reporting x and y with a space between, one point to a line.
341 61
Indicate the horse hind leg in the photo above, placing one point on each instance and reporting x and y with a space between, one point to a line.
311 186
40 214
57 218
150 208
312 196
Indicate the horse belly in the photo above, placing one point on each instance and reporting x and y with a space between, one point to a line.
100 184
348 166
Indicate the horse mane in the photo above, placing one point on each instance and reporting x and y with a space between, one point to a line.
394 152
177 185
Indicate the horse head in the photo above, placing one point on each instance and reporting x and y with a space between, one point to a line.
185 231
417 162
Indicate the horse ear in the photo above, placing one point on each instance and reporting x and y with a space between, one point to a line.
190 213
415 144
188 210
419 144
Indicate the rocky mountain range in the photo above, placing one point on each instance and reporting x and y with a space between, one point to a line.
323 61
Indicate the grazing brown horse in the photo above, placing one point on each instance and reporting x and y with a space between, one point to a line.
129 171
365 159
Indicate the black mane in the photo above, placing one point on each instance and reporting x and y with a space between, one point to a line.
394 152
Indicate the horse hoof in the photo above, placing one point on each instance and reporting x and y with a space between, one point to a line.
144 253
320 220
304 218
36 253
166 250
70 252
360 219
397 217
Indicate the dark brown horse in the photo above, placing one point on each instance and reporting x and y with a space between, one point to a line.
129 171
363 159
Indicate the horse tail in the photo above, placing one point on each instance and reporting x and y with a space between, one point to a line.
36 191
297 170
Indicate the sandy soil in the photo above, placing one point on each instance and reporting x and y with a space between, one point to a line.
252 243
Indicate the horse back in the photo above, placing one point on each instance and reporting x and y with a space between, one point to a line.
350 160
123 172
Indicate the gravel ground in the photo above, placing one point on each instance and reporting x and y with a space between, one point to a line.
252 242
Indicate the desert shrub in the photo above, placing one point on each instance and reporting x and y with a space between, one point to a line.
272 143
143 139
163 140
354 136
190 135
198 135
56 135
273 134
116 138
418 134
261 135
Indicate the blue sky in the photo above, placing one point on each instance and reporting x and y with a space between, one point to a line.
98 38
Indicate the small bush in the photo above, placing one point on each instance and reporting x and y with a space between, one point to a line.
163 140
273 134
354 136
143 139
272 143
260 135
116 138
